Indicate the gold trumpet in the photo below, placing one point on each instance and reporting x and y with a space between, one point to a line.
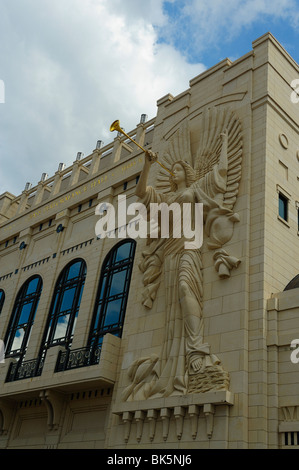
115 126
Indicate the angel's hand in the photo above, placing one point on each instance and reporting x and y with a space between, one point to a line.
151 157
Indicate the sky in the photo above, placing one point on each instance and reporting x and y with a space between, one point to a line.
68 68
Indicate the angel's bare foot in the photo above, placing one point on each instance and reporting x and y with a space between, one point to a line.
197 364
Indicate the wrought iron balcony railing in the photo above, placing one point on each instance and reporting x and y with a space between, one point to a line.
67 359
25 369
73 359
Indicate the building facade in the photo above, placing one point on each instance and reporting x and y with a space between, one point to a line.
125 342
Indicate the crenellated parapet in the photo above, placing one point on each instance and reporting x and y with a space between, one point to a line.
82 169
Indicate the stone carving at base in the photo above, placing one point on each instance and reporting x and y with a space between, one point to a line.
211 177
210 378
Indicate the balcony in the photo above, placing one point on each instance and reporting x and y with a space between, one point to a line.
24 370
62 369
76 358
67 360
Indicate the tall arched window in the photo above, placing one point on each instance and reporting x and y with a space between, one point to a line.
22 317
65 305
2 298
113 290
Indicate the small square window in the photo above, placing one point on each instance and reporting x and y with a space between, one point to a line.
283 207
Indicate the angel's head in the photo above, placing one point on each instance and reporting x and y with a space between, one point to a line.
183 175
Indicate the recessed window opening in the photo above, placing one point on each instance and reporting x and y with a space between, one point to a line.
113 290
2 298
65 305
22 318
283 206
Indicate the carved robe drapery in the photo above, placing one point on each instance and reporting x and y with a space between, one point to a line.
184 364
168 257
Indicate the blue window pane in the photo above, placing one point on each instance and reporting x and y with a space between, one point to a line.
32 286
123 252
103 287
112 312
2 297
97 316
100 341
74 270
55 303
25 313
283 207
79 299
67 299
118 283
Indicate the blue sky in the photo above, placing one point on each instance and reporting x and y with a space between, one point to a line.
71 67
207 31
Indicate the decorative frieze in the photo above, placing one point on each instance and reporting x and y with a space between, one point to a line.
172 411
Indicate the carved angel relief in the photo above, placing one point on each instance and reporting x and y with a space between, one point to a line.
212 178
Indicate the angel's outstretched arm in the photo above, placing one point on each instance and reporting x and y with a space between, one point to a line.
222 165
150 158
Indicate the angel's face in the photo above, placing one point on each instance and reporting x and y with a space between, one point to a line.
179 175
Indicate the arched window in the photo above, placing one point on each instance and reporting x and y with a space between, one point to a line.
65 305
293 284
22 317
2 298
113 290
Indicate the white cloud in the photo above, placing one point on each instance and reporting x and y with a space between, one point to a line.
151 10
70 68
217 21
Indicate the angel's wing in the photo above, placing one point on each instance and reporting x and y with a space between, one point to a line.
178 148
214 121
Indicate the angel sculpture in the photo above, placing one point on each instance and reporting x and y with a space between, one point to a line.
213 180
